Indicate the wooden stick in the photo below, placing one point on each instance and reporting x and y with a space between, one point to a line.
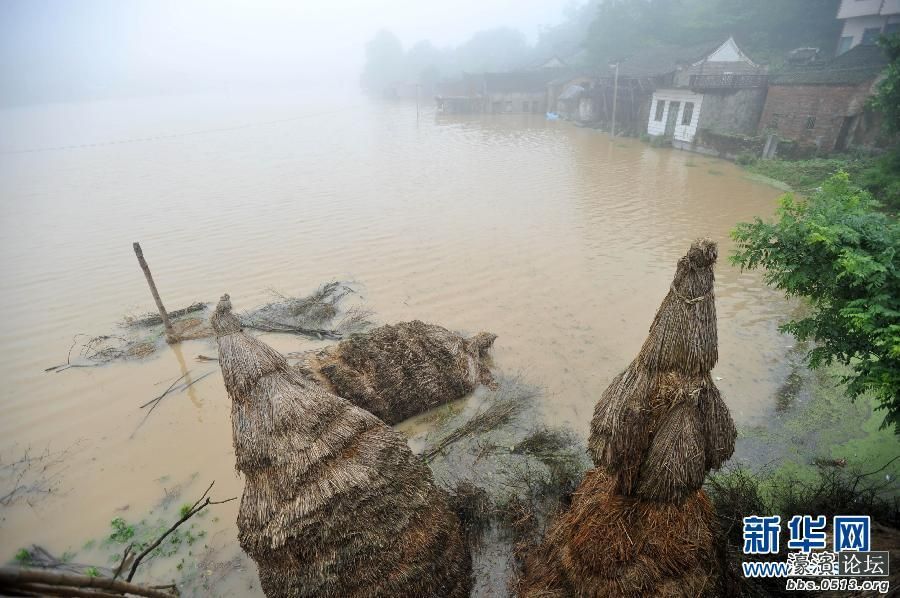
171 337
15 577
196 508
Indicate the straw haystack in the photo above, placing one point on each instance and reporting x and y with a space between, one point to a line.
607 544
335 503
639 524
400 370
662 424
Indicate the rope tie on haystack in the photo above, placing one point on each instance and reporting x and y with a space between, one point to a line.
693 301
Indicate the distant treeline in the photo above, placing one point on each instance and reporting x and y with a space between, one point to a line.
599 31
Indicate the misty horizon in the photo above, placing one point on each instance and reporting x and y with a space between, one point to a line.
53 51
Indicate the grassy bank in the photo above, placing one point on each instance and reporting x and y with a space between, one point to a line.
820 454
880 175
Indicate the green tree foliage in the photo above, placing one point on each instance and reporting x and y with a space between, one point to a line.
765 28
887 98
841 254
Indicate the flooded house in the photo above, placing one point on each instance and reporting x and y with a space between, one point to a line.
723 93
521 92
865 20
572 97
588 96
821 106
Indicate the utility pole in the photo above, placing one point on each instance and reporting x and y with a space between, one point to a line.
171 337
612 129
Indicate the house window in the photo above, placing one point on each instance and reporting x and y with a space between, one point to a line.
688 113
810 122
509 107
660 107
845 44
526 107
891 28
870 36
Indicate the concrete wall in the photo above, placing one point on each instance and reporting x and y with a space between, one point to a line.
733 111
514 102
858 8
788 108
855 27
682 132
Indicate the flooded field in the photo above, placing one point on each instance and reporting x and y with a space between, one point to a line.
558 239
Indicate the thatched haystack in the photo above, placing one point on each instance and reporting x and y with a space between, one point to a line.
662 424
608 544
335 503
639 524
400 370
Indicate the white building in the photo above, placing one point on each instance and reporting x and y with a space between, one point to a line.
725 91
865 20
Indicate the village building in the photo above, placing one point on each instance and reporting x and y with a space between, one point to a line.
722 93
822 106
865 20
571 97
588 97
515 92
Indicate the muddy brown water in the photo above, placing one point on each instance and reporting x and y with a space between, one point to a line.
556 238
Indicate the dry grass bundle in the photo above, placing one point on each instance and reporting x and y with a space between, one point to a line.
662 425
335 503
312 316
400 370
639 524
607 544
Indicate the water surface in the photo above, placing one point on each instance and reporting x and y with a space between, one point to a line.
556 238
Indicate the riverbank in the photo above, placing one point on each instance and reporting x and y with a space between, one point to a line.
880 175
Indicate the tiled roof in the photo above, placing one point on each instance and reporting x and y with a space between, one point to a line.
853 67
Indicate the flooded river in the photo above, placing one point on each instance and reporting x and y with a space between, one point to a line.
556 238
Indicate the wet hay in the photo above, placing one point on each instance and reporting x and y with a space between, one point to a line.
522 474
154 319
335 503
608 544
661 425
400 370
313 316
318 315
639 523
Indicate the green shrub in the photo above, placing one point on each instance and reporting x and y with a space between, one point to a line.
841 254
745 158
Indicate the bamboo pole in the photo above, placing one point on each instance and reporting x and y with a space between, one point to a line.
171 337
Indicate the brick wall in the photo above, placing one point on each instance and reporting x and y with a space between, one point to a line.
788 109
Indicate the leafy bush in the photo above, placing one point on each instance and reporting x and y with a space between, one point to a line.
842 254
745 158
882 179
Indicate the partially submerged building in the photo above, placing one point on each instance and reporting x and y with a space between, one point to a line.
722 92
822 106
498 93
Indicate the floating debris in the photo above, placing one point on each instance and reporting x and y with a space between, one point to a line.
400 370
311 316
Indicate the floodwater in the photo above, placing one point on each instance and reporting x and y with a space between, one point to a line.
556 238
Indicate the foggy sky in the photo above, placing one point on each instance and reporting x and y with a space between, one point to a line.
56 50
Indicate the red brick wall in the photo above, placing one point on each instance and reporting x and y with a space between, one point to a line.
788 107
